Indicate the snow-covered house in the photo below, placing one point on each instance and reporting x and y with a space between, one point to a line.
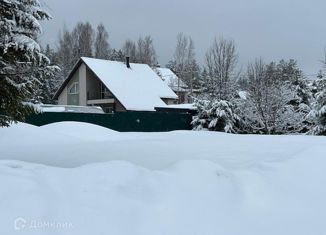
175 83
115 86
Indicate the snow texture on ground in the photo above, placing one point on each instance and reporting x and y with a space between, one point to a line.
76 178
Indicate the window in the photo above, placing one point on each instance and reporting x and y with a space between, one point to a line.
74 88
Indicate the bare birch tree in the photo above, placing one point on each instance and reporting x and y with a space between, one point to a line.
268 99
145 51
83 38
129 49
220 64
101 44
66 57
184 63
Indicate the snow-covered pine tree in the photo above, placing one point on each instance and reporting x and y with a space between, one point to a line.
22 64
320 74
217 115
52 81
318 113
293 118
288 71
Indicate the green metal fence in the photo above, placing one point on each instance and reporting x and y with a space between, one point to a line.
124 121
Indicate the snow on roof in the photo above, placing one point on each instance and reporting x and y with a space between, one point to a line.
137 88
179 106
171 79
182 106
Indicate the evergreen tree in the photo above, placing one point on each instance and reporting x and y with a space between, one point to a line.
317 115
320 74
216 115
22 64
51 84
297 109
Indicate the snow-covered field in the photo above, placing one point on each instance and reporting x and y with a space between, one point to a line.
77 178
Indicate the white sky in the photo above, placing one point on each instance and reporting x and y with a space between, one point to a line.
261 28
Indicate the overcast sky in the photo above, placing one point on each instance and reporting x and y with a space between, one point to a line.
271 29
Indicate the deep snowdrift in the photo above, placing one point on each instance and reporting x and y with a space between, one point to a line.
182 183
72 144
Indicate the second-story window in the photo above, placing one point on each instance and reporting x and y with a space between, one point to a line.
74 88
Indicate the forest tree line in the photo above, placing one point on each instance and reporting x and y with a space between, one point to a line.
263 98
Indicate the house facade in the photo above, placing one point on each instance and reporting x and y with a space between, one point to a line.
114 86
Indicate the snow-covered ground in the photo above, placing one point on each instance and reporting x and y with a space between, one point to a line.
77 178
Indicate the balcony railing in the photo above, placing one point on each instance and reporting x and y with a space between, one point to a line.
94 95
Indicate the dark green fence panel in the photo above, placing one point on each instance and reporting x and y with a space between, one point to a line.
124 121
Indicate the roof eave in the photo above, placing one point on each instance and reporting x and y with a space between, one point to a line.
66 81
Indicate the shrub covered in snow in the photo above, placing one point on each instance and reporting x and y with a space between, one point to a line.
277 99
216 115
